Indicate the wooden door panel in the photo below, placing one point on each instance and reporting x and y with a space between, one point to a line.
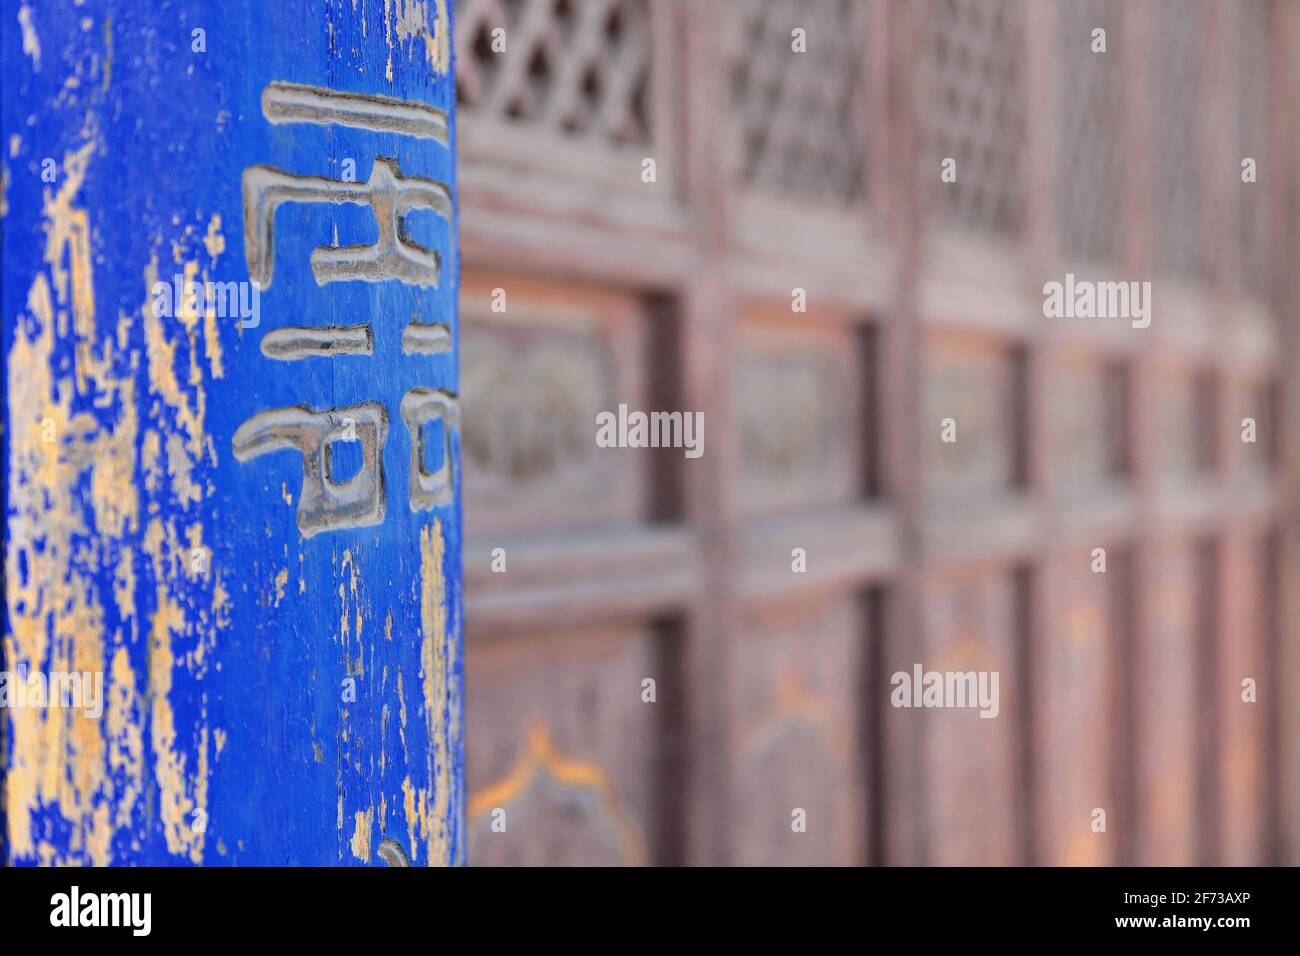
799 396
1088 442
537 374
973 815
971 382
565 749
1078 708
797 739
1169 714
1243 654
659 292
1186 419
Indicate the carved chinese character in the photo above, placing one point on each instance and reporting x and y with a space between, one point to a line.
325 504
389 195
420 406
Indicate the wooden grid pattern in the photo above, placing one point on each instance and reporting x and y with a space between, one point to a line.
926 304
798 121
1181 86
577 68
974 110
1090 167
1255 104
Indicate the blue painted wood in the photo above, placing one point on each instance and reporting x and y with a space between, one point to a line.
281 679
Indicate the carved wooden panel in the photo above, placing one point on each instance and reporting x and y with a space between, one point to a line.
574 68
1185 420
1257 399
972 817
1088 422
973 383
798 691
1180 88
1168 712
973 110
799 399
556 127
1244 653
1078 709
798 123
1090 153
541 372
564 762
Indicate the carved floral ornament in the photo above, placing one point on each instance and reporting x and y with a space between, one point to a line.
528 418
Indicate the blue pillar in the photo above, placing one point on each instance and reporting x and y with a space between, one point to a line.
232 615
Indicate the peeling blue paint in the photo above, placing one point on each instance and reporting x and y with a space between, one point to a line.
251 755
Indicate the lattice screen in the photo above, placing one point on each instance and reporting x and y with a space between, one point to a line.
1089 172
578 68
973 109
1178 156
799 119
1253 106
814 424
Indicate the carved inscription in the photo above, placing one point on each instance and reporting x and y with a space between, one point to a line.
326 503
296 342
390 197
420 407
294 103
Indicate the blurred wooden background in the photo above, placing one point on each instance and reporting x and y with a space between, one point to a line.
819 171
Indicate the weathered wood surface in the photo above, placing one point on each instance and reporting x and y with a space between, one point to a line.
1081 716
818 171
568 761
279 645
800 695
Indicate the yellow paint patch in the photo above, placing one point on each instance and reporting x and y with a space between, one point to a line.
31 42
214 241
361 835
401 713
125 737
180 793
441 699
69 553
58 756
408 21
412 820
